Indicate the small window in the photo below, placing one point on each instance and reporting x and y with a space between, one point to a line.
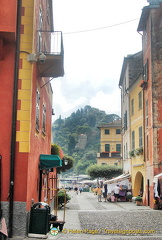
147 113
107 147
145 71
44 119
118 147
118 131
37 109
132 106
125 120
140 136
140 100
107 131
133 140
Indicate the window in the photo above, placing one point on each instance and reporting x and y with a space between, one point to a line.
140 136
44 119
107 131
125 121
126 149
147 147
107 147
37 109
124 152
118 131
140 100
145 71
118 147
147 113
133 140
132 106
40 28
48 11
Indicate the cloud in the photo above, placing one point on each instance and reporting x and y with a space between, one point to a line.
110 103
93 59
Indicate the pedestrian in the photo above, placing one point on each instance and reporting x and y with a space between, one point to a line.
99 194
80 189
105 192
76 189
116 192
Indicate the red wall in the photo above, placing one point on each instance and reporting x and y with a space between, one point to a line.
6 92
8 11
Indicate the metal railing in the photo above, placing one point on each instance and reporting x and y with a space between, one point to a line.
50 42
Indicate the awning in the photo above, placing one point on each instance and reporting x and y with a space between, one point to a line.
156 177
50 161
118 179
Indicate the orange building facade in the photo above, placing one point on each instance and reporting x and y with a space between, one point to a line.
27 61
150 27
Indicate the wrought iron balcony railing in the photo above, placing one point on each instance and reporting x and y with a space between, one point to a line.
51 45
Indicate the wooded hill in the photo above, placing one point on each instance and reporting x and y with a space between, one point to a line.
83 122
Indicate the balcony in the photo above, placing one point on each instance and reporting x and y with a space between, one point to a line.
109 155
103 155
51 45
115 154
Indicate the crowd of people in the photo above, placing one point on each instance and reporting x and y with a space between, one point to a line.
113 195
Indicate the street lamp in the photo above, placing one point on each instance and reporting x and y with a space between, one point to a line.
66 162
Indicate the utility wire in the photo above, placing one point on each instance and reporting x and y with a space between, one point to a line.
96 29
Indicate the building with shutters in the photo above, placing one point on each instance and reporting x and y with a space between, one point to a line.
31 54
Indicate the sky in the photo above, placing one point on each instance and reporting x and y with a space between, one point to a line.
97 35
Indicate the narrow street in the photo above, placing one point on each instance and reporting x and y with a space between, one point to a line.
88 219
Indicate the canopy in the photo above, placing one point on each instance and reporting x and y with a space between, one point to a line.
49 161
155 180
118 179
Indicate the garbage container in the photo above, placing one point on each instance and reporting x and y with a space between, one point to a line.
39 218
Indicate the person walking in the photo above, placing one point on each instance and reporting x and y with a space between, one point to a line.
76 190
105 192
116 192
80 189
99 194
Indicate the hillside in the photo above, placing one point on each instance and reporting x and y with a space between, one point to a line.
79 136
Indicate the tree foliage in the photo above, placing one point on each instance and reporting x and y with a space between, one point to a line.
103 171
55 149
66 131
64 168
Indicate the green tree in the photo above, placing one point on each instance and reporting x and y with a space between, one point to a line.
103 171
71 144
55 149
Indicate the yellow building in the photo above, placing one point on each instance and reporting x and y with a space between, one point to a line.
136 132
110 143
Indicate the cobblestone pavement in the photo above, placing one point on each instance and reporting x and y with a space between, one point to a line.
88 219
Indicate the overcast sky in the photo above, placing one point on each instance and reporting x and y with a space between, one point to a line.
97 35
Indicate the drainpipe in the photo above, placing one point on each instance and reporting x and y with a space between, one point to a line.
14 117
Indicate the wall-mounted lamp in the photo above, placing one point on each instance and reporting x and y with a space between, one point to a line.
66 162
32 57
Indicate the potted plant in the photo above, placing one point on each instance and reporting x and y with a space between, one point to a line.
138 201
62 198
139 151
129 198
131 153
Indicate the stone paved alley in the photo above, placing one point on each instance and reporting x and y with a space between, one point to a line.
106 220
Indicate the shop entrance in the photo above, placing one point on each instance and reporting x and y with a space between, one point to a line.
138 184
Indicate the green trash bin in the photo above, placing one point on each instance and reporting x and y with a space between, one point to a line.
39 218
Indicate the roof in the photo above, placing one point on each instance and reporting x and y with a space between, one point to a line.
113 124
134 61
143 19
